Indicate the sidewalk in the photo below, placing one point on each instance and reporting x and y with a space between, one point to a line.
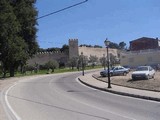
143 94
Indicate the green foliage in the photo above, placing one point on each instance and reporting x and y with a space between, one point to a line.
113 45
103 61
73 62
97 46
86 45
27 14
51 65
122 45
93 60
17 33
112 59
83 61
65 49
29 67
12 45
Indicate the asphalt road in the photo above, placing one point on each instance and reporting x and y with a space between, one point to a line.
61 97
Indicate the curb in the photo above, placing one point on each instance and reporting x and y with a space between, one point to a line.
120 93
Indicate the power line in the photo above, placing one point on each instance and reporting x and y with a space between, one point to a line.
62 9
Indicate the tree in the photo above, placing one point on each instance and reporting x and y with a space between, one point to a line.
17 33
65 49
113 45
112 59
86 45
73 62
83 61
103 61
97 46
51 65
93 60
122 45
26 14
12 46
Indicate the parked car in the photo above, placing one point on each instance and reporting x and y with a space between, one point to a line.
117 70
143 72
127 67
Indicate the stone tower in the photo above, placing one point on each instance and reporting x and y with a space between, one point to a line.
73 48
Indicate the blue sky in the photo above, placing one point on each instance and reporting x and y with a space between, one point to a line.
94 21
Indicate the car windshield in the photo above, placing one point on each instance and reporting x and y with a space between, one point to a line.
112 68
142 69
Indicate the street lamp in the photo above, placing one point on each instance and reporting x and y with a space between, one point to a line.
82 63
104 61
107 42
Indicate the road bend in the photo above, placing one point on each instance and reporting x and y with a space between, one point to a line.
62 97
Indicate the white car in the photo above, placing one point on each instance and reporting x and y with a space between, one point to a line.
145 72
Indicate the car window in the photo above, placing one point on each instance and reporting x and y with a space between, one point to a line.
116 68
142 69
120 68
112 68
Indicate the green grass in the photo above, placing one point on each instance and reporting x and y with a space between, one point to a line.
41 72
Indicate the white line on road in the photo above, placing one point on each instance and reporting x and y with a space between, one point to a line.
9 106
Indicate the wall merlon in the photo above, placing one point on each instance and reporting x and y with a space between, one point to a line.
73 40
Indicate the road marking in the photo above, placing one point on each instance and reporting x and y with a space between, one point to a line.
7 102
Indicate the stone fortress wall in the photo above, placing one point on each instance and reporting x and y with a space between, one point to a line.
43 57
98 52
142 57
74 51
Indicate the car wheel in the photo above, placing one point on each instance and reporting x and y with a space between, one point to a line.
103 75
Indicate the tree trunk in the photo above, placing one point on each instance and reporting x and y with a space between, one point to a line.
12 69
21 68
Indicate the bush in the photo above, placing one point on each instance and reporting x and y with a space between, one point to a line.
51 65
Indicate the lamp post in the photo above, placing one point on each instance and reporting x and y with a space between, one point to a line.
107 42
104 61
82 64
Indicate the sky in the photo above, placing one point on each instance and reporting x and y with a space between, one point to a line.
95 20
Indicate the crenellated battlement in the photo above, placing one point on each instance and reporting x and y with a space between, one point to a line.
52 52
73 40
